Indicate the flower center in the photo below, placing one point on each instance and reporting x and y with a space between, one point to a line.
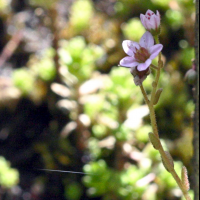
142 55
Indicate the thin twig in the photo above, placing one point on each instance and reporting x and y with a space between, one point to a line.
10 47
155 127
154 67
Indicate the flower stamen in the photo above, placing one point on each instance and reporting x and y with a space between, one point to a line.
142 55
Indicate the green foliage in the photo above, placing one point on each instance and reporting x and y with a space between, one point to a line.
164 3
99 179
79 57
81 14
133 29
24 80
141 134
127 184
32 81
123 133
44 3
191 193
166 180
73 191
187 55
45 68
9 177
175 18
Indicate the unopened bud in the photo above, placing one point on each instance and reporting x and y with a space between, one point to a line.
155 141
151 21
185 179
191 76
169 163
157 96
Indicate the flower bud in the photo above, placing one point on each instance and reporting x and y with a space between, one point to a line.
185 179
151 22
191 76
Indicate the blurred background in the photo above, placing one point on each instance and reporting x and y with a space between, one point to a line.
66 105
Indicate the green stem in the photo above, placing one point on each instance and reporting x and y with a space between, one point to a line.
155 83
152 111
150 104
154 67
153 120
175 175
161 149
145 95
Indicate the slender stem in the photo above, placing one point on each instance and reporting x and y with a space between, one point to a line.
154 67
152 112
155 84
161 149
180 184
174 174
153 121
150 104
145 95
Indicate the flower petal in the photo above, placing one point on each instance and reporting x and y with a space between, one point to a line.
128 62
155 50
144 66
154 22
158 13
147 40
142 18
150 20
129 47
149 12
158 19
148 24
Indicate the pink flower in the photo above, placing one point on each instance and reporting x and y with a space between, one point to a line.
140 55
151 22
